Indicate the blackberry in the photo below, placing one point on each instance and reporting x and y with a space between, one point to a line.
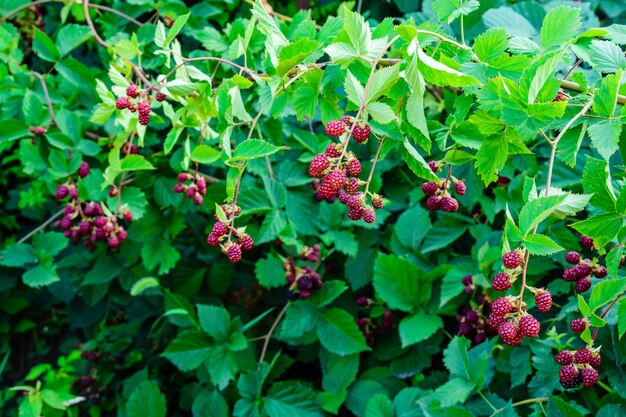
494 321
543 300
143 108
343 196
572 258
72 192
354 202
292 295
131 91
127 215
144 120
582 356
596 360
122 234
377 201
354 168
361 132
501 282
183 177
212 240
305 283
430 187
62 191
568 373
333 150
459 187
335 128
84 227
586 241
234 253
318 165
325 191
363 301
347 120
113 242
190 191
352 187
589 377
578 325
583 285
179 188
512 260
529 326
355 214
600 271
572 384
509 333
335 179
246 242
582 270
565 357
501 307
433 202
304 294
434 167
570 274
122 103
198 199
467 280
219 229
83 169
369 216
160 96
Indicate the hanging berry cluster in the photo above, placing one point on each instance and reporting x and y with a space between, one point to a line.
583 268
87 220
579 367
194 190
471 320
302 280
135 103
437 191
339 170
376 324
224 233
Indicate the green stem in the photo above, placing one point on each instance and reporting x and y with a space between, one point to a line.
462 31
487 401
530 401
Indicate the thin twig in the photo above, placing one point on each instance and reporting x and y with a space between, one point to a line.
92 28
595 331
268 336
530 401
47 96
374 161
41 226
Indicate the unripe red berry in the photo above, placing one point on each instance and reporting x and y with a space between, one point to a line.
183 176
596 360
529 326
433 202
430 187
369 216
543 300
335 179
347 120
113 191
501 306
449 205
565 357
62 191
510 334
494 321
212 240
467 280
131 91
352 187
246 242
354 168
377 201
570 274
122 234
586 241
113 242
363 301
198 199
578 325
501 282
160 96
325 191
589 376
361 132
190 191
128 216
304 294
219 229
512 260
234 253
144 120
179 188
355 214
568 373
582 356
335 128
582 270
583 285
83 169
459 187
122 103
333 150
143 108
572 258
433 166
318 165
600 271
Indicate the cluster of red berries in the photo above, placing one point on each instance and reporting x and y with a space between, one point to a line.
340 180
438 196
222 235
376 324
472 324
310 254
142 106
195 190
583 268
512 322
561 96
579 367
512 261
302 280
360 131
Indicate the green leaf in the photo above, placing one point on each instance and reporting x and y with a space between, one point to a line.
205 154
354 90
301 318
143 284
418 327
397 282
222 366
606 57
560 25
597 181
456 359
444 231
290 399
18 254
381 112
416 163
40 275
382 81
536 211
269 272
412 226
339 372
605 291
559 408
159 252
454 391
175 29
543 73
12 129
358 31
209 404
135 163
294 53
605 99
44 47
605 226
621 317
339 334
541 245
442 75
379 406
188 351
491 158
491 44
252 149
215 321
70 37
341 53
450 10
146 401
605 136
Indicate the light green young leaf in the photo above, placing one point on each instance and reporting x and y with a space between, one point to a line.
541 245
354 90
442 75
560 25
382 81
606 57
252 149
597 181
536 211
450 10
143 284
605 136
381 112
175 29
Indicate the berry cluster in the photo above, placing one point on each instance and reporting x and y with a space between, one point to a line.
223 232
437 191
579 367
472 324
511 320
194 190
301 280
360 131
376 324
339 174
87 220
468 284
582 270
134 103
310 254
512 261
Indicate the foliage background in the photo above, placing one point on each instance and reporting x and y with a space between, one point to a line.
60 300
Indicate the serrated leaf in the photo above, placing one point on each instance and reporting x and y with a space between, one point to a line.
560 25
536 211
605 226
382 81
294 53
621 317
205 154
450 10
290 399
456 359
604 291
605 137
418 327
416 163
252 149
381 112
396 282
135 163
339 334
541 245
354 90
454 391
606 57
491 157
146 400
597 181
442 75
491 44
44 47
175 29
188 351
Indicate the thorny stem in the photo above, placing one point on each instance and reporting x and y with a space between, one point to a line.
47 96
604 313
374 161
269 334
555 143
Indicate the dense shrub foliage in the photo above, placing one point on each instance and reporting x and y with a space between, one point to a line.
220 208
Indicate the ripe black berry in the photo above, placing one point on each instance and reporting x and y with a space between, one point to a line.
570 274
572 384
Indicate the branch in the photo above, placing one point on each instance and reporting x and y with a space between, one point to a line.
268 336
47 96
41 226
